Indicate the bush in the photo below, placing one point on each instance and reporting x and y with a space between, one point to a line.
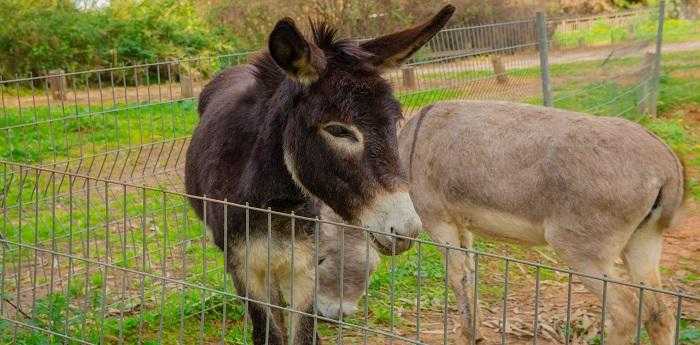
40 35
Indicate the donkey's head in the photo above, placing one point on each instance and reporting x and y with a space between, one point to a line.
340 142
346 262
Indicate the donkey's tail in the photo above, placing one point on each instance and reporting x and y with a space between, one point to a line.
672 196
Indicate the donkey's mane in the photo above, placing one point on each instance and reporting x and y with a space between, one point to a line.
338 52
325 37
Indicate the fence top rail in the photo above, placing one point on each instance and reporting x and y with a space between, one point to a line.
117 68
538 265
481 26
470 53
622 14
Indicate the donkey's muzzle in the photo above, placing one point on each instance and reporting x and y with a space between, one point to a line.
393 223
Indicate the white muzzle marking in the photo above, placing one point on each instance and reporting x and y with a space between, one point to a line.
392 214
331 307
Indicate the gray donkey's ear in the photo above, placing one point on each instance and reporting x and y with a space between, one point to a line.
391 50
301 59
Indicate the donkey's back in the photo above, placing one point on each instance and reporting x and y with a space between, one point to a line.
228 128
231 86
594 188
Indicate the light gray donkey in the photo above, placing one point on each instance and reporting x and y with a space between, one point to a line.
593 188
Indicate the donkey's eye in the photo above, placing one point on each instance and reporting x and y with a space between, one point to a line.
340 131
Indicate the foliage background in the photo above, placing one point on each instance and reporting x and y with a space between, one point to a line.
40 35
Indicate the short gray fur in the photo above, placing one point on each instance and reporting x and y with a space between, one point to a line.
593 188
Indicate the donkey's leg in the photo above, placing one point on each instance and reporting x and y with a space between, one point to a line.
470 316
258 313
297 286
460 271
596 257
250 277
305 331
277 314
260 317
642 256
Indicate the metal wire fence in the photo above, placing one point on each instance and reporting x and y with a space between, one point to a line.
98 243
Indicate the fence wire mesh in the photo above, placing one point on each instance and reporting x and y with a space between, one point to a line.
99 243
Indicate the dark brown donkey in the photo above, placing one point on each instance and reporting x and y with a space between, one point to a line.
307 121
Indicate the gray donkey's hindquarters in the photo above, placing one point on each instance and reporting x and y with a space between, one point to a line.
593 188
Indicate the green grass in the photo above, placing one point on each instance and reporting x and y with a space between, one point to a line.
570 70
82 310
602 33
602 98
677 90
43 133
91 324
419 99
679 30
460 75
694 187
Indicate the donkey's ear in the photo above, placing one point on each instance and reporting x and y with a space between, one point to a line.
301 59
391 50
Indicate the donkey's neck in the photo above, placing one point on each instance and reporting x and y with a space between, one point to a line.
266 181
